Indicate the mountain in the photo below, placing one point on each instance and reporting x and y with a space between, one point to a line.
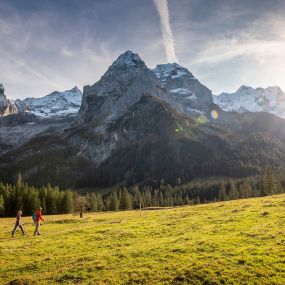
56 103
8 107
192 96
136 126
248 99
128 78
123 84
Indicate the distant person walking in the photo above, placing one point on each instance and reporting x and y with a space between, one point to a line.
38 218
18 223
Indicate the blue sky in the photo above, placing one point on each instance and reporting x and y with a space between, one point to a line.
57 44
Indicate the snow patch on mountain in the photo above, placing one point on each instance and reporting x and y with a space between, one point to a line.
248 99
170 70
183 93
56 103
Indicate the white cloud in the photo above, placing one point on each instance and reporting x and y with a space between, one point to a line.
67 52
167 37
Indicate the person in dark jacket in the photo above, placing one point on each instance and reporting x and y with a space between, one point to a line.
39 218
18 223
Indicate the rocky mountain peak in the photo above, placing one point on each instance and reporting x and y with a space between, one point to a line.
171 71
2 90
122 85
75 89
193 96
128 59
7 106
244 88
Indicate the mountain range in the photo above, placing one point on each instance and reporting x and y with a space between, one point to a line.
52 105
138 125
248 99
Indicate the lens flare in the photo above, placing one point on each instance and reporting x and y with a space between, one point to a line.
215 114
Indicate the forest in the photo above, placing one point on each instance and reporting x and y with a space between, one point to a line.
21 196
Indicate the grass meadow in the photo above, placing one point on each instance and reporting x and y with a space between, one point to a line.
234 242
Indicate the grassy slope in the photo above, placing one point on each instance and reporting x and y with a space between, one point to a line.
236 242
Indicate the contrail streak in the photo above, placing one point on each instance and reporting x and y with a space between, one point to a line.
32 71
167 37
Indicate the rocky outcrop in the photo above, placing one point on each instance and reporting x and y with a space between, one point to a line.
8 107
192 96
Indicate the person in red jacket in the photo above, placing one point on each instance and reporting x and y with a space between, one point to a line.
39 218
18 223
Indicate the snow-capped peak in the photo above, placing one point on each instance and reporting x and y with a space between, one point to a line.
56 103
171 71
248 99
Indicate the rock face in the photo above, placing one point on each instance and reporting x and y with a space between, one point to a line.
56 103
17 119
8 107
125 81
128 79
185 88
248 99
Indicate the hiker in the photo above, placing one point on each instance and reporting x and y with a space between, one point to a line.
18 223
38 218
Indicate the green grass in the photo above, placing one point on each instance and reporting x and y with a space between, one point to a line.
236 242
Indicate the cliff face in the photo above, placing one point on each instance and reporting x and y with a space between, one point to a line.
126 80
9 107
192 96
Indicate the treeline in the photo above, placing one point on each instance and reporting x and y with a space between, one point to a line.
53 201
193 192
28 198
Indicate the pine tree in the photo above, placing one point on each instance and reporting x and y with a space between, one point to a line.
2 207
222 192
114 202
67 202
233 191
125 201
269 183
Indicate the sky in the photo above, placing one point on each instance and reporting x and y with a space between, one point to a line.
48 45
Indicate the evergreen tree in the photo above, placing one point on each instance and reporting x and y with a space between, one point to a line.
126 200
233 190
269 183
2 207
67 202
30 200
222 192
114 202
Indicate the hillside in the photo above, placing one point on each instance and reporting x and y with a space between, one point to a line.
236 242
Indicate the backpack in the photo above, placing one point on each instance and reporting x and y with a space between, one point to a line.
35 216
